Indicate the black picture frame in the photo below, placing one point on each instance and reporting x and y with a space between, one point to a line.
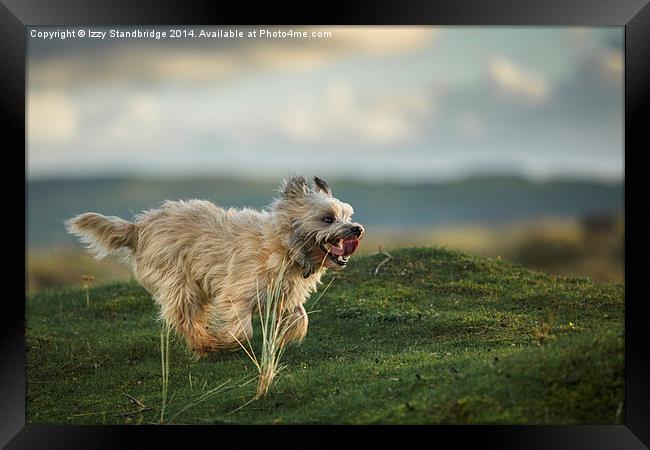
634 15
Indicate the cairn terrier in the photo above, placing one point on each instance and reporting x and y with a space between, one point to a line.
201 262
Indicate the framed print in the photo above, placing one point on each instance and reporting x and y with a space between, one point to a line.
419 216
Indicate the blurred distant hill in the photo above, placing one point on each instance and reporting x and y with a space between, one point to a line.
478 200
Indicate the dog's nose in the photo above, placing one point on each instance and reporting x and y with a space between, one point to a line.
357 229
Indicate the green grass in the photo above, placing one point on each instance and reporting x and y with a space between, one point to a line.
436 337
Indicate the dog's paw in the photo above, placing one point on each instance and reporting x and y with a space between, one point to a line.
200 353
204 348
204 351
216 346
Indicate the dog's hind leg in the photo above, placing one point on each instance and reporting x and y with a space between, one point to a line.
231 324
185 309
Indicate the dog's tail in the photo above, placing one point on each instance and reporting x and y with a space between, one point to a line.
104 235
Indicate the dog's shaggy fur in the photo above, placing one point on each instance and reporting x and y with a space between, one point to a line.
201 262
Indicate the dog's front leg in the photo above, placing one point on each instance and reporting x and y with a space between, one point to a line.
296 326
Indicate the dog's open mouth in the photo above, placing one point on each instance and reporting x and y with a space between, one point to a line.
340 251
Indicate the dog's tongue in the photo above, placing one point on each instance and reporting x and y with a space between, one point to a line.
347 248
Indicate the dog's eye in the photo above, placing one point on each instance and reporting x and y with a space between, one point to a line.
328 219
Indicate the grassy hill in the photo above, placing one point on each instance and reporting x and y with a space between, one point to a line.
436 336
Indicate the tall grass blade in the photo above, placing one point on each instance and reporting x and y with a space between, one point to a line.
164 360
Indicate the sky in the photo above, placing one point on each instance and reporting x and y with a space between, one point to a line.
375 103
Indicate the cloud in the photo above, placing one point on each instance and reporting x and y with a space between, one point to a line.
51 116
518 80
612 64
339 114
139 119
186 66
300 121
384 40
365 96
591 51
470 125
215 62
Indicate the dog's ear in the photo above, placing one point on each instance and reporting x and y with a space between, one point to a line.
294 187
321 185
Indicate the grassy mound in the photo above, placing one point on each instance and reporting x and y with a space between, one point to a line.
436 336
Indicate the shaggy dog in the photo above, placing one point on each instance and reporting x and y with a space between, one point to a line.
204 264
